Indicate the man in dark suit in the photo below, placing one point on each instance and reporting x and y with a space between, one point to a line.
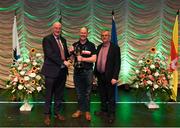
55 69
107 70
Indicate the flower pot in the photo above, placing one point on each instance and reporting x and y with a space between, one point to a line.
151 104
26 106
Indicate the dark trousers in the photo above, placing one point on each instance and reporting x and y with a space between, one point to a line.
54 89
83 86
107 95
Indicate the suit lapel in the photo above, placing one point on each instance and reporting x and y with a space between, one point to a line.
108 56
99 48
55 45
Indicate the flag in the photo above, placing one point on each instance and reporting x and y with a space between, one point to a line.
15 41
115 41
174 58
113 31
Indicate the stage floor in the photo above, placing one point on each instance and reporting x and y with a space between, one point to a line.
129 113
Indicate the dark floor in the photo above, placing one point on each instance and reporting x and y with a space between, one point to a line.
130 112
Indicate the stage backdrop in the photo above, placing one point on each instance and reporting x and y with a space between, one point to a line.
141 24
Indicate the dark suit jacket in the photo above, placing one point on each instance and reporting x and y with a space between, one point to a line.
52 56
113 63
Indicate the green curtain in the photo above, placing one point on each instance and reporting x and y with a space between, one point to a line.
141 24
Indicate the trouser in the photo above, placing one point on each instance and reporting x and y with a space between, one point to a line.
83 84
107 95
54 87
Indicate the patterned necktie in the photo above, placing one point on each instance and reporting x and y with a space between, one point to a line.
61 48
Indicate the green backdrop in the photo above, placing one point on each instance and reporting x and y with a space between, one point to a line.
141 24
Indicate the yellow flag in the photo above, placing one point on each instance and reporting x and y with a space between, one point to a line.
174 58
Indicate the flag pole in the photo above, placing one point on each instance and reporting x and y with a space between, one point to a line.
115 41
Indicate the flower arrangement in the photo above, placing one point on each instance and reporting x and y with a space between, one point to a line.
25 78
153 76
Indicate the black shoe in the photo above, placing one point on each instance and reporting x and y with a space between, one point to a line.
111 119
100 113
59 117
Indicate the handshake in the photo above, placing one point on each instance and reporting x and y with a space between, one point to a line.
68 63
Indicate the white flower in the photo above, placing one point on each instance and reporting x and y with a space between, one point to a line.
22 73
140 62
15 79
38 54
152 66
13 91
156 74
27 85
141 83
8 86
163 63
136 86
34 63
20 87
39 89
32 74
156 86
38 77
19 68
32 89
29 92
26 78
158 52
19 60
170 87
169 77
14 83
137 71
149 82
27 60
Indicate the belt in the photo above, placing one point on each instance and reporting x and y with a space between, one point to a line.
81 70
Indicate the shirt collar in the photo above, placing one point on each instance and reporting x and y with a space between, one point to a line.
106 44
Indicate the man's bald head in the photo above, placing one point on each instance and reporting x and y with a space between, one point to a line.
83 33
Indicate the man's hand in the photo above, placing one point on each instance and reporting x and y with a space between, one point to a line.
113 81
67 64
71 49
79 58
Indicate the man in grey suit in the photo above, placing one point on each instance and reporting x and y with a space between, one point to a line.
107 68
55 69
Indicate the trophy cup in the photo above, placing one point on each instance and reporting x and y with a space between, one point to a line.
78 51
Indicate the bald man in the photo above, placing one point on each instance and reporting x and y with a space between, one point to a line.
55 69
85 55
